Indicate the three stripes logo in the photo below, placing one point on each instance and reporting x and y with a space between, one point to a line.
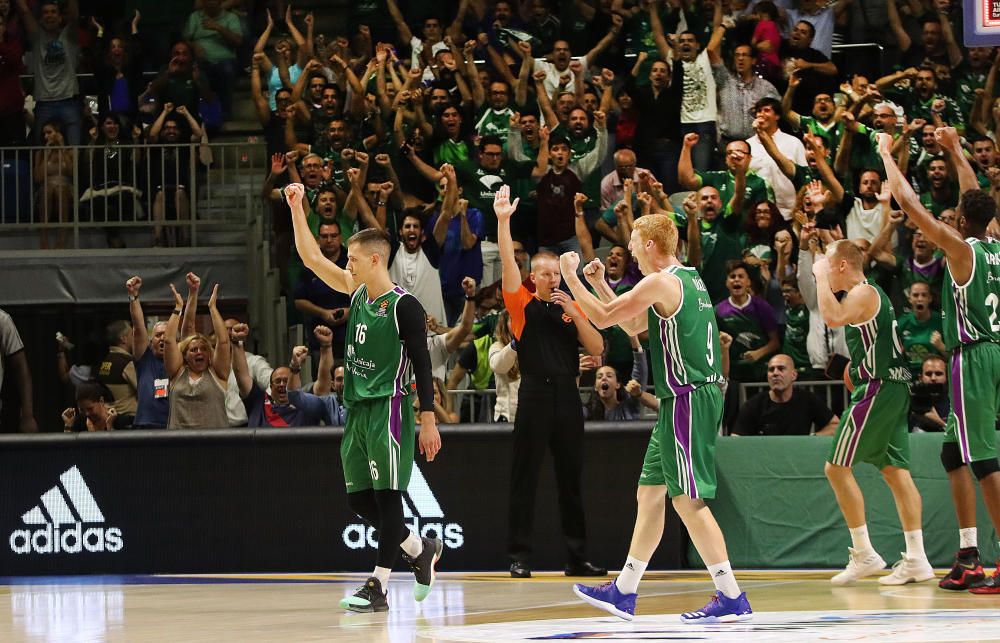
60 519
422 513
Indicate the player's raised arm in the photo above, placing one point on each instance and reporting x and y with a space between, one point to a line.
948 238
511 274
624 308
331 274
858 306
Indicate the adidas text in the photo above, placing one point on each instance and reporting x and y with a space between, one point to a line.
72 540
359 536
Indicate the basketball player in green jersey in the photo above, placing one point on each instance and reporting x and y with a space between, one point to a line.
386 334
671 301
873 428
971 303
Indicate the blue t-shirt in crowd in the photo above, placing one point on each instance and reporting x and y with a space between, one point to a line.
152 385
455 262
303 409
335 410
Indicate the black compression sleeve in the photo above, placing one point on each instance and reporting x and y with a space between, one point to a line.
412 323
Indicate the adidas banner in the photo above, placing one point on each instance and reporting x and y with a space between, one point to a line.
273 500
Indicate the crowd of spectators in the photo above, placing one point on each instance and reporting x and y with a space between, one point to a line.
728 116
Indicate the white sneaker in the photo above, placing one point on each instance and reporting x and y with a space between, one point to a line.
861 563
908 570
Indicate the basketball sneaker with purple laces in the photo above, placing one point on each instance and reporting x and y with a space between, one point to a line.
721 610
608 598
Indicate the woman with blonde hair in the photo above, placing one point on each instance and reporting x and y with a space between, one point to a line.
503 361
198 373
53 171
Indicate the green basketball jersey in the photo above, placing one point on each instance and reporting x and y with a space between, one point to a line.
876 353
684 349
972 312
375 362
796 332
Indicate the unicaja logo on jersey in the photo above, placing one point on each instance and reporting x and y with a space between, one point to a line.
64 527
422 514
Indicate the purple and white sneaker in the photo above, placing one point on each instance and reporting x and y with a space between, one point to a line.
721 610
608 598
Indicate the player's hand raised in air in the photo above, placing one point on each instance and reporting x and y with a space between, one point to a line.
293 194
594 272
502 205
569 262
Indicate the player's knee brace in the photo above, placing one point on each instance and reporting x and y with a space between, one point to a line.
951 457
983 468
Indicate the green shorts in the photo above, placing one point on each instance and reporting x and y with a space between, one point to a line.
681 451
377 449
873 428
975 400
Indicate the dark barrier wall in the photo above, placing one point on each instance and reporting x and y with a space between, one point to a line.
274 500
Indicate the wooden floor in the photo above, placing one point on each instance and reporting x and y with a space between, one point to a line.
788 606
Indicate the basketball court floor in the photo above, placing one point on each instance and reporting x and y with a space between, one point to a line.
788 605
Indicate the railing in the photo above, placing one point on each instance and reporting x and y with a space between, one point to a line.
179 190
833 392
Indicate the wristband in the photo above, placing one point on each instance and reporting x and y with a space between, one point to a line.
132 298
178 311
467 298
380 204
295 369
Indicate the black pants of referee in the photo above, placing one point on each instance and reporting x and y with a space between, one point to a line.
549 416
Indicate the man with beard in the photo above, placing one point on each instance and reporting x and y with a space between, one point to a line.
817 73
885 118
494 117
738 90
767 113
320 304
971 75
329 146
562 57
921 98
868 211
414 265
710 247
322 104
152 406
479 182
784 409
941 193
821 123
738 160
694 77
984 153
281 405
937 40
920 329
583 140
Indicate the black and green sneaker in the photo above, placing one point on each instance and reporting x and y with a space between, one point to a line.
369 598
423 567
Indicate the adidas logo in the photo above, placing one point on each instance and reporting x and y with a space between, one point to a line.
422 514
68 506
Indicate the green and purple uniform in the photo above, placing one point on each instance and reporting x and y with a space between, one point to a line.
972 333
685 358
377 449
874 427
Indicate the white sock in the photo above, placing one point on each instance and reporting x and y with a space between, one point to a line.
725 582
628 581
382 574
412 546
967 537
914 543
859 538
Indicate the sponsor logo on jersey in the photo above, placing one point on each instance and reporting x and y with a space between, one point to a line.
67 522
422 514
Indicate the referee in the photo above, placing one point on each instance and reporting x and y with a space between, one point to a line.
548 327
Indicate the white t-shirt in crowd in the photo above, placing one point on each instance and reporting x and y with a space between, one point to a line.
762 163
699 104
